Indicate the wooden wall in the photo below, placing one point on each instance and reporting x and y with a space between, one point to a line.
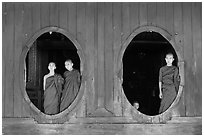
101 28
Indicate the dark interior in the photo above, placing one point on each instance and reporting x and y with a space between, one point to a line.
49 47
141 63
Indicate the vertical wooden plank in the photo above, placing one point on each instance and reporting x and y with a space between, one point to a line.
27 33
35 17
27 21
45 14
72 21
63 15
4 20
151 13
54 14
178 28
197 52
9 60
80 24
17 50
116 49
35 28
100 58
125 21
109 56
134 15
90 55
169 17
125 27
80 36
188 56
96 84
143 14
160 18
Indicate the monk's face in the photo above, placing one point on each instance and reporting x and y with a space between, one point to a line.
51 66
136 105
169 59
68 65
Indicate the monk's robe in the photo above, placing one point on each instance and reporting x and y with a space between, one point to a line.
53 89
169 76
71 88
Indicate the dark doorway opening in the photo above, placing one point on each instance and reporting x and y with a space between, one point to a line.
141 63
49 47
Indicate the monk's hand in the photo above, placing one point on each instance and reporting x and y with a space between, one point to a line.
160 95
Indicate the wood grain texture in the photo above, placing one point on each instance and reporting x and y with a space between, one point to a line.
197 54
54 14
64 15
100 58
81 20
134 15
151 13
143 14
3 57
35 17
169 14
188 55
9 63
116 48
18 39
72 19
178 29
96 84
80 35
27 33
45 15
125 21
160 18
89 51
108 57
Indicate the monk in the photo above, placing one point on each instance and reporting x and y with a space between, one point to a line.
169 81
71 85
52 85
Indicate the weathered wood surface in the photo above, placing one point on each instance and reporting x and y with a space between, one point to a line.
116 48
101 29
8 57
17 51
189 59
197 62
100 126
100 56
108 54
178 29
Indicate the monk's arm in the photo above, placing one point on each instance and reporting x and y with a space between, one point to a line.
44 82
160 83
176 79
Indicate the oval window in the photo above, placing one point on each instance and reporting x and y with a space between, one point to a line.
142 60
50 47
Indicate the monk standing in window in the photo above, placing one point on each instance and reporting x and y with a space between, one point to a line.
52 85
168 83
71 85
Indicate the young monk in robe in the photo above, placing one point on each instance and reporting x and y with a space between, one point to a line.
168 83
71 85
52 86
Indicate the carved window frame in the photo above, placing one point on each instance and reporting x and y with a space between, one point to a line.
171 111
39 116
